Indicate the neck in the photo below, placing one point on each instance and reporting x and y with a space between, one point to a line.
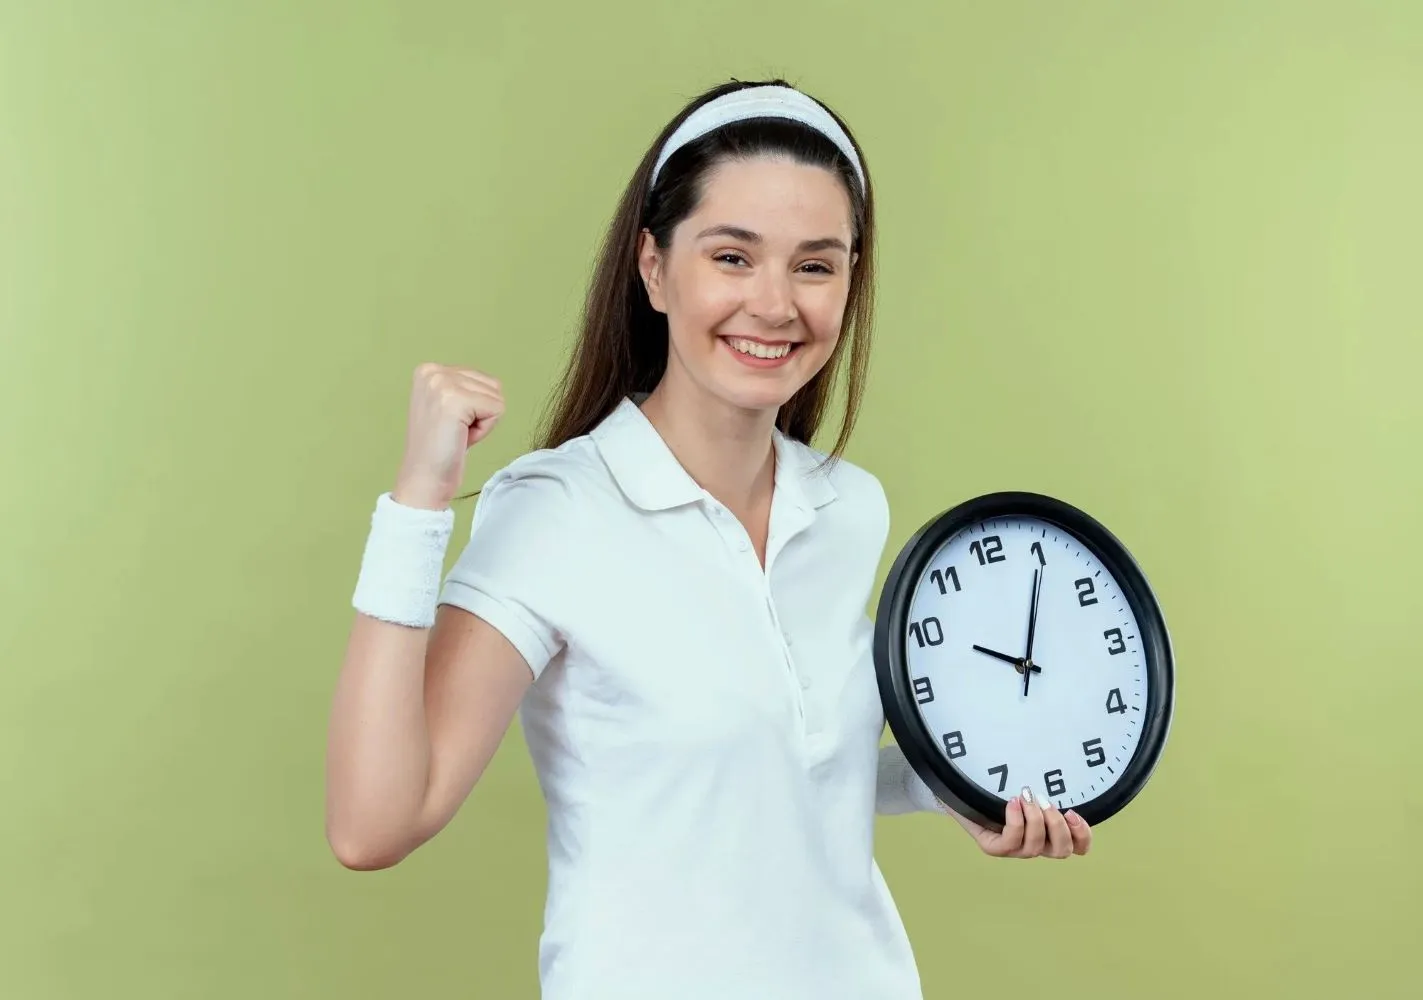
726 449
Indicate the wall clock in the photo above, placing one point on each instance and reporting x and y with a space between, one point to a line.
1018 643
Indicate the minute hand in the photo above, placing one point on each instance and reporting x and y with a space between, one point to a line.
1032 628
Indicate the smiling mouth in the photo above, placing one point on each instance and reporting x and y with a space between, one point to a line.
756 349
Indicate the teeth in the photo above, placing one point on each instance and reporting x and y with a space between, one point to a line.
754 349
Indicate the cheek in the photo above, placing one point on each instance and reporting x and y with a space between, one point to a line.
823 316
700 307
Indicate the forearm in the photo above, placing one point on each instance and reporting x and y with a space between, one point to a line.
379 743
378 751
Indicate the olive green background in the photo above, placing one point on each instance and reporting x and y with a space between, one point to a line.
1158 259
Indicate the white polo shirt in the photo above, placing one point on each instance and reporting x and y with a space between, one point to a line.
706 733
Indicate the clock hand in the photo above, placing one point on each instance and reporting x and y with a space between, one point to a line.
1017 661
1002 656
1033 613
1032 629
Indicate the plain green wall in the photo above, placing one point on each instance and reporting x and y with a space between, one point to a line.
1158 259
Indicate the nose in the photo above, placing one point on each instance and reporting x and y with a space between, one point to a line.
771 299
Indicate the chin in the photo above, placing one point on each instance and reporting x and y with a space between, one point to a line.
758 399
759 390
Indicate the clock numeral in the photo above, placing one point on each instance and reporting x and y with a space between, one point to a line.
1096 756
953 744
1115 643
1038 551
1086 591
923 690
1002 771
1115 705
942 579
990 550
1055 785
928 632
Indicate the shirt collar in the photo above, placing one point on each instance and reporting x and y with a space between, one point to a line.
651 477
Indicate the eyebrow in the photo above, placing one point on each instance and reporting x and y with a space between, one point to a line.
747 236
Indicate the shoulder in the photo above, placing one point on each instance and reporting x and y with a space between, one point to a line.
548 485
555 470
530 525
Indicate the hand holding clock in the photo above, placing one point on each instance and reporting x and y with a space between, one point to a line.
1032 831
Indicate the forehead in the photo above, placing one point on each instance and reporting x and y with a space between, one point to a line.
775 195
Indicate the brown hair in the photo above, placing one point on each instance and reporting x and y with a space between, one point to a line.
622 344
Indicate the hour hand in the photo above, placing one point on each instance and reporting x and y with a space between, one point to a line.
1017 661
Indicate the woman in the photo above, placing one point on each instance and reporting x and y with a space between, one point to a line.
672 591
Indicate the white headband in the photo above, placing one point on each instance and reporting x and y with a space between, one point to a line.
759 102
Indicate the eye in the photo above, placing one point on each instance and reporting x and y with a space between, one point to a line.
729 257
820 267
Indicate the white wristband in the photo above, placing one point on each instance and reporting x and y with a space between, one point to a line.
403 563
921 794
899 789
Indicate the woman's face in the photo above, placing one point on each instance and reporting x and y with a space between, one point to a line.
755 281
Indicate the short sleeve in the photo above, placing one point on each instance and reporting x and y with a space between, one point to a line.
508 570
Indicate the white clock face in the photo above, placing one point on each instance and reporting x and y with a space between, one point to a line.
1068 728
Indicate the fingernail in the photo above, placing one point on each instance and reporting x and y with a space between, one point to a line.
1027 794
1073 818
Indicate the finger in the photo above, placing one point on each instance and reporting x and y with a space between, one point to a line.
479 430
483 424
1033 829
487 415
1058 836
487 382
476 402
996 842
1007 841
1081 833
478 383
462 380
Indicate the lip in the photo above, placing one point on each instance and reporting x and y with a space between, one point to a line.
754 362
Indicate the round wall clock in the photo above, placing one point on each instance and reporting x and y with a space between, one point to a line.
1018 643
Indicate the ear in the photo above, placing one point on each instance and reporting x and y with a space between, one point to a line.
854 258
649 265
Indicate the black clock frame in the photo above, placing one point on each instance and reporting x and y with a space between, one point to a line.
920 746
